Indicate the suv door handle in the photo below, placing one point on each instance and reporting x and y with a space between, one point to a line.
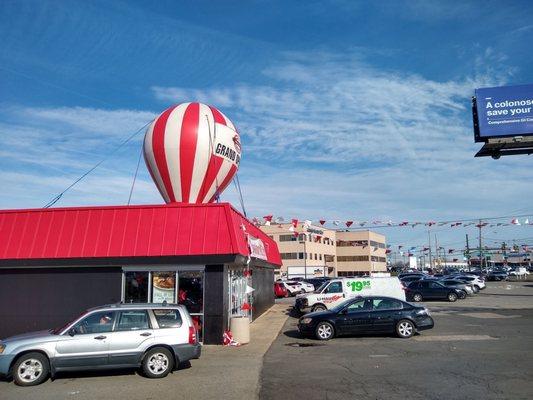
101 337
146 334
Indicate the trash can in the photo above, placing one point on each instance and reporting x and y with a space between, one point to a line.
240 329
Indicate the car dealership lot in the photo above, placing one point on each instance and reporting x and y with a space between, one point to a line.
480 348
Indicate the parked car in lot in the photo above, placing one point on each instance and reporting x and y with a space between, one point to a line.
432 290
518 272
406 280
476 281
292 288
154 337
317 282
280 290
375 314
466 288
498 275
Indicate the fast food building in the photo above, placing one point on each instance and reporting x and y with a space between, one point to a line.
55 263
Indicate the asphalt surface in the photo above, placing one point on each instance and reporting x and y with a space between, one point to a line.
480 348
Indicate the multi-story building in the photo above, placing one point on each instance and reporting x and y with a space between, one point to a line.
360 253
308 251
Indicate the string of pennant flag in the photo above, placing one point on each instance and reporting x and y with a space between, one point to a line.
479 223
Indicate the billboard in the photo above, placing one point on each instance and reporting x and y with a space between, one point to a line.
501 112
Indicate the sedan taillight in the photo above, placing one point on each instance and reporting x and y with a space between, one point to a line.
192 335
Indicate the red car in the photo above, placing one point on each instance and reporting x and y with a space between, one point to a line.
280 290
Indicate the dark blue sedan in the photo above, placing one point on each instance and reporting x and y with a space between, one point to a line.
367 315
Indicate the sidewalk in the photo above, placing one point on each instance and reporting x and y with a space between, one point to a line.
220 373
233 372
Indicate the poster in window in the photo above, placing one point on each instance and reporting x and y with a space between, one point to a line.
163 287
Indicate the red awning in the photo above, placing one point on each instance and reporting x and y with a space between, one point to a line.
129 231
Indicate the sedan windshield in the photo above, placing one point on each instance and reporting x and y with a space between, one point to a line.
339 307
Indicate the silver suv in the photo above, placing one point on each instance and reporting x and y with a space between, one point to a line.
155 337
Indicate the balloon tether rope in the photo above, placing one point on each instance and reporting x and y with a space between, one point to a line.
58 197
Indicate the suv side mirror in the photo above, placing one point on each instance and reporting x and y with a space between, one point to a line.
344 311
71 332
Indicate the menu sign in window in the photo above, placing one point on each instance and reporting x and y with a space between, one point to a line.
163 287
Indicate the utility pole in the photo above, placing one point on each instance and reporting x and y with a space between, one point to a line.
437 260
480 251
429 246
467 253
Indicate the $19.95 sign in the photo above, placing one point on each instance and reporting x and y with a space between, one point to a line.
503 112
357 286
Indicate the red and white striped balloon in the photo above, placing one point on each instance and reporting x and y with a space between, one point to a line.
192 151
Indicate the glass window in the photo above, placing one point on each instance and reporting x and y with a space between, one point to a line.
359 305
163 287
300 256
435 285
98 322
168 318
191 291
387 304
136 290
334 287
132 320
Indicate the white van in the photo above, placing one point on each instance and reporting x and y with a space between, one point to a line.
335 291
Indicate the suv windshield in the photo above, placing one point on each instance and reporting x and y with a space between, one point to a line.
56 331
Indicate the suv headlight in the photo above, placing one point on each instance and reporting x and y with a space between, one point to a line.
2 348
306 320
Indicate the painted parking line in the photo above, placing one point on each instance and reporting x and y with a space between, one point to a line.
378 355
453 338
488 315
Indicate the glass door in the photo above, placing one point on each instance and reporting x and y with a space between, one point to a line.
191 295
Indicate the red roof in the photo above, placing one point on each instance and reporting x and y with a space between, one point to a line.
128 231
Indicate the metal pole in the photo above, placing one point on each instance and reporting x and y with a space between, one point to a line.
480 254
467 253
305 256
429 246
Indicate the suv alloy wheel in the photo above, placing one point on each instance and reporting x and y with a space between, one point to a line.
157 363
31 369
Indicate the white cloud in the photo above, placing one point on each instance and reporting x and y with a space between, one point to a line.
332 137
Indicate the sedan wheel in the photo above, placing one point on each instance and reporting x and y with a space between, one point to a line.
417 297
462 294
324 331
405 329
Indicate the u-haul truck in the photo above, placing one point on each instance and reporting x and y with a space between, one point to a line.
335 291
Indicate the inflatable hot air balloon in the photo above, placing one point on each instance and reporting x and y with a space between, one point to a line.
192 151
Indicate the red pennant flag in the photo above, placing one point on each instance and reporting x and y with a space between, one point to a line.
294 222
349 223
246 307
388 251
322 222
268 218
296 234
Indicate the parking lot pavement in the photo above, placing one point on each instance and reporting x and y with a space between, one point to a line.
480 348
220 373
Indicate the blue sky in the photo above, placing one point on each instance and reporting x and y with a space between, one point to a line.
347 110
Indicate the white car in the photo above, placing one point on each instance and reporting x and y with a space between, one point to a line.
474 280
519 271
293 288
